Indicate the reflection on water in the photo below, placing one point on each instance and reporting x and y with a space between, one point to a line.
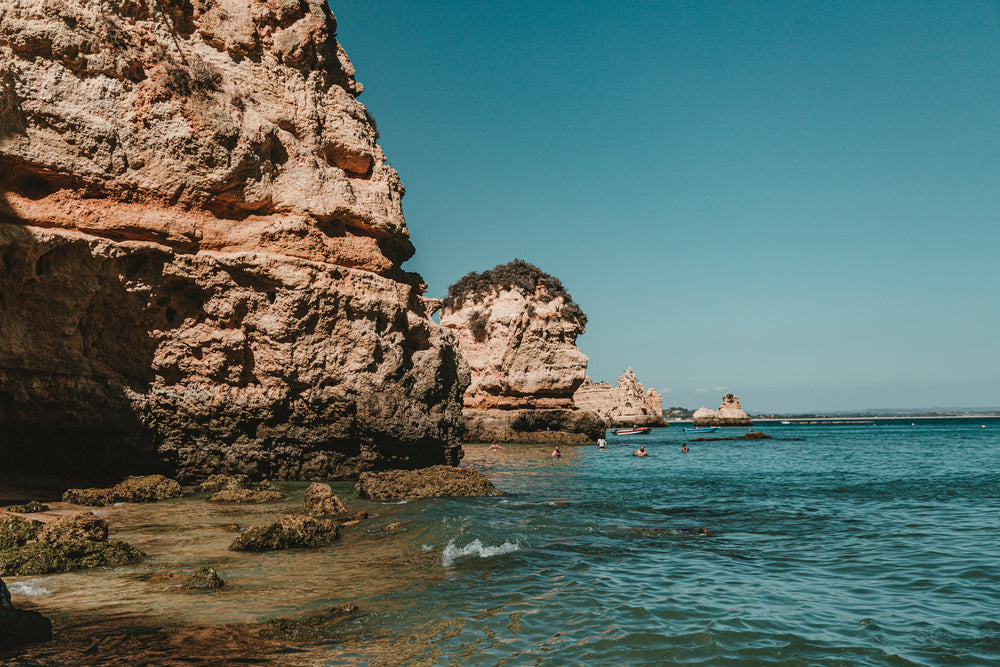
851 545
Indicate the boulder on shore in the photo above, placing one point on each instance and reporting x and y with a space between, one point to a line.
141 489
18 626
433 482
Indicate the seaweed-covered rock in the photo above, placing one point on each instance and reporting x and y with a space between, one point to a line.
29 508
225 482
147 489
314 627
321 501
433 482
15 531
85 527
68 543
289 532
246 496
19 627
204 578
90 497
142 489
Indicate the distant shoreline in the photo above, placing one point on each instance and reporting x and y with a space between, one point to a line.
857 419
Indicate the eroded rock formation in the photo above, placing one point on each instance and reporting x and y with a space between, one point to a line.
729 414
517 327
625 404
200 250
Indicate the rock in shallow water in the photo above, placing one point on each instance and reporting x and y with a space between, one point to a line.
289 532
204 578
29 508
321 501
67 543
432 482
248 496
142 489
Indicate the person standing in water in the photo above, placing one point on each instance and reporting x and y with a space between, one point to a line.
495 447
555 452
640 452
601 443
684 448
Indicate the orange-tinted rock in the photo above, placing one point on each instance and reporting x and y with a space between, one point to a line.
730 413
625 404
201 248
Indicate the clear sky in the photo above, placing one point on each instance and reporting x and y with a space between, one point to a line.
797 202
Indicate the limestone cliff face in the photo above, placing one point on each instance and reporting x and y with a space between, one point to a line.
730 413
200 248
625 404
517 327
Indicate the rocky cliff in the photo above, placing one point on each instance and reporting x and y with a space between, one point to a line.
625 404
201 247
517 327
729 414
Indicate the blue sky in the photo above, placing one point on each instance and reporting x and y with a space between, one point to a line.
798 203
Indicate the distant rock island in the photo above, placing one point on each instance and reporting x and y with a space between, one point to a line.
517 327
625 404
201 247
729 414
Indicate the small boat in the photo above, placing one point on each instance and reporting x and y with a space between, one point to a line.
701 429
635 430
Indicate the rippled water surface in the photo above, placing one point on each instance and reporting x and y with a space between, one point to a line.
828 545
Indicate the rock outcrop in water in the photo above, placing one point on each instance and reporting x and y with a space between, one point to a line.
18 626
433 482
517 327
200 251
625 404
729 414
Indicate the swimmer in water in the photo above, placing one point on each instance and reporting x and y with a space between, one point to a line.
494 447
555 452
601 443
639 452
684 448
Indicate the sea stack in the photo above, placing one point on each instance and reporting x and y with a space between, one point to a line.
729 414
201 248
627 403
517 327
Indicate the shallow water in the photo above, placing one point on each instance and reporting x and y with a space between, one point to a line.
829 545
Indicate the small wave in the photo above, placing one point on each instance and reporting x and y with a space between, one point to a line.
29 588
475 548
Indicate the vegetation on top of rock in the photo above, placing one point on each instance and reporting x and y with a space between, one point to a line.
29 508
433 482
246 496
517 274
15 531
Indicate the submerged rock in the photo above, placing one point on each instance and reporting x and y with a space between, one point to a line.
142 489
321 501
204 577
32 507
289 532
18 626
433 482
248 496
314 627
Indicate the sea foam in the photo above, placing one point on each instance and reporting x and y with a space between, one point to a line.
475 548
29 588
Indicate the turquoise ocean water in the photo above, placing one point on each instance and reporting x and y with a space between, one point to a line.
829 545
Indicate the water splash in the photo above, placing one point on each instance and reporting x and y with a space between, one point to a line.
475 548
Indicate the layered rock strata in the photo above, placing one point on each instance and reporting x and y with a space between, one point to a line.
200 251
517 328
730 413
625 404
